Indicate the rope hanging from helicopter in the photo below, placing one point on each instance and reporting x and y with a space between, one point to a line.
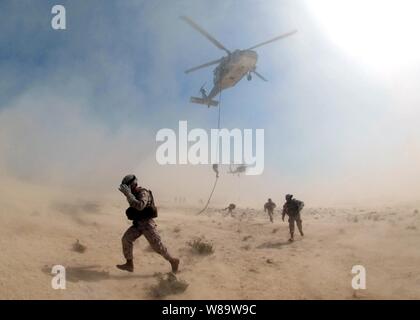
215 166
243 60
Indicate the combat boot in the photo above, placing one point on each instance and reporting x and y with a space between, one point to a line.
128 266
174 264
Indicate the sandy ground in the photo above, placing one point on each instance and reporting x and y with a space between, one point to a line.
252 258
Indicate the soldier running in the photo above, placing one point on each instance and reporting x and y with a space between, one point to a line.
269 207
140 200
292 208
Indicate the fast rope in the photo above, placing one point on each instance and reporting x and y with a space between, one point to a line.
217 175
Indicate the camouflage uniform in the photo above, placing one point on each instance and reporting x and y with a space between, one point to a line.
269 207
292 208
146 227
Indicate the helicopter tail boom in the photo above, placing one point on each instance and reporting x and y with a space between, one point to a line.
207 102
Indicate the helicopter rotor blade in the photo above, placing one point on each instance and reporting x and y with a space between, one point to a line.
274 39
259 76
203 65
204 33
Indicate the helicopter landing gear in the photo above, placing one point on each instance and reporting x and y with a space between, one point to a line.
249 77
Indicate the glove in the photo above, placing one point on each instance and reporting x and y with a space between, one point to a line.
125 189
127 192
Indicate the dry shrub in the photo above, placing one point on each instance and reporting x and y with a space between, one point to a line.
167 285
201 246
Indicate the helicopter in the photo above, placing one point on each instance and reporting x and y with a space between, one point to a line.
231 69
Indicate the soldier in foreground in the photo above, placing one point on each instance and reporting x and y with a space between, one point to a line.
292 208
269 207
142 210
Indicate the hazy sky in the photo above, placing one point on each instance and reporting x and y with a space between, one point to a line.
81 107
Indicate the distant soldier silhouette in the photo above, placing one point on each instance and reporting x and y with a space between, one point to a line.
269 207
230 208
216 169
292 208
142 210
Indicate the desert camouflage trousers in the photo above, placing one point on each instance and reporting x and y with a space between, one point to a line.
270 214
148 229
295 218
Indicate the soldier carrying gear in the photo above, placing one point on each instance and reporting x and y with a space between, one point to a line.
142 210
292 208
269 207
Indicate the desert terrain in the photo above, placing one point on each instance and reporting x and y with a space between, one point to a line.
251 257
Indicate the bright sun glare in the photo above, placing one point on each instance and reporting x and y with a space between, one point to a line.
383 34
